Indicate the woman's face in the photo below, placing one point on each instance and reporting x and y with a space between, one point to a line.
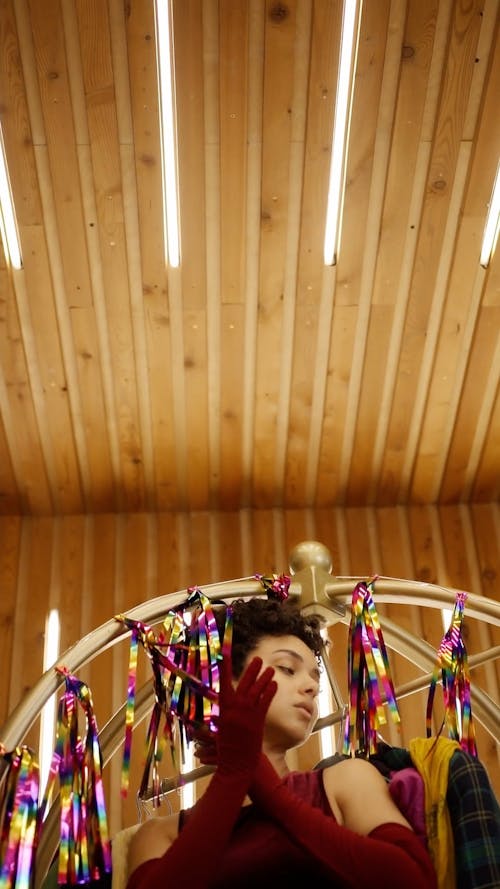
293 710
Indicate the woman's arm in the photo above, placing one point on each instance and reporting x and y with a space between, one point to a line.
192 856
390 855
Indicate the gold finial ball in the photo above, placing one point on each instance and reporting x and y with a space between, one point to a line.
309 554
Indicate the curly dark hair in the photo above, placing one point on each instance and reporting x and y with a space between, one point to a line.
256 618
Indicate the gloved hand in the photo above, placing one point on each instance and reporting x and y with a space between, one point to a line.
238 738
242 715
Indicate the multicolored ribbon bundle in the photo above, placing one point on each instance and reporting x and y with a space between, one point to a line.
453 670
369 676
19 824
275 585
84 849
185 660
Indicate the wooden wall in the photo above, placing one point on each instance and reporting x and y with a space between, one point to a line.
93 567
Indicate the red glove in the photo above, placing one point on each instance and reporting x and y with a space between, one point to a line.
211 821
391 855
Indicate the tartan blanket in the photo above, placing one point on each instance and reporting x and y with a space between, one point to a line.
475 822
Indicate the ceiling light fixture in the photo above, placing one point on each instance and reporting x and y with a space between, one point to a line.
8 224
492 226
168 129
351 17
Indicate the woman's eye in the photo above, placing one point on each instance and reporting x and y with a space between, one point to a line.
288 670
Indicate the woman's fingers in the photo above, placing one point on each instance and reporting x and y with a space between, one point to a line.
261 684
206 753
268 694
253 688
258 690
250 675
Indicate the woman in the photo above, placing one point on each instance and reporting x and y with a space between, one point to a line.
257 824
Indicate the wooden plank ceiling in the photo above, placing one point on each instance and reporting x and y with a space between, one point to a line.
253 375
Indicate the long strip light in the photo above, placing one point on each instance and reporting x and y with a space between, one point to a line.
492 226
351 17
47 721
187 795
8 225
166 90
324 709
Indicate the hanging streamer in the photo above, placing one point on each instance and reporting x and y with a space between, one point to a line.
84 849
452 669
369 676
140 634
19 825
185 659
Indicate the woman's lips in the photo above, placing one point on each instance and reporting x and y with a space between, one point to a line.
305 709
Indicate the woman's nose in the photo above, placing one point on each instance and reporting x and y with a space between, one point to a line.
310 687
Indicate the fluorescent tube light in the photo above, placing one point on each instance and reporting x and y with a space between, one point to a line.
324 709
187 790
8 225
166 89
492 224
351 17
47 721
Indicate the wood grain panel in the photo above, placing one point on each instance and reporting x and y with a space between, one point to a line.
277 122
10 532
487 477
197 418
386 108
482 354
56 396
464 31
25 457
233 346
211 94
417 49
99 87
233 98
302 381
343 385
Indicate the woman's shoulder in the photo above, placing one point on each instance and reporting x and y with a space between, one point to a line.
362 795
158 824
152 839
353 775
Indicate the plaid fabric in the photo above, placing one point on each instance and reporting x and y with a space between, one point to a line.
475 822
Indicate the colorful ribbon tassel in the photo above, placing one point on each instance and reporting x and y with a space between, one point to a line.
84 849
185 659
19 825
452 669
369 676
